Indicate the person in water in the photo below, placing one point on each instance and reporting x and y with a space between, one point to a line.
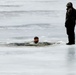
37 43
36 40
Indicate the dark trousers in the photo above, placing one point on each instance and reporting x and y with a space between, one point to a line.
71 34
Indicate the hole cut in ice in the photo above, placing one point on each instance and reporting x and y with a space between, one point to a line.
31 44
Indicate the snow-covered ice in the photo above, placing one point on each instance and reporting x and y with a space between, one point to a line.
55 60
20 21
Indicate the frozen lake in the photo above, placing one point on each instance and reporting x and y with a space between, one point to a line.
55 60
20 21
37 18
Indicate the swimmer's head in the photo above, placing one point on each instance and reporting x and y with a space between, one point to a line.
36 39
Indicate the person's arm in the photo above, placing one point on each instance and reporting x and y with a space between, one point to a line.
68 16
69 11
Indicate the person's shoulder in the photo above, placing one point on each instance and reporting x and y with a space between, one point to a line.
73 9
31 42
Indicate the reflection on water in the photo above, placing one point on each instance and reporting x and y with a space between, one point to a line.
71 61
71 54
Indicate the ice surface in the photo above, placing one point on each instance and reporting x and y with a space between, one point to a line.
20 21
55 60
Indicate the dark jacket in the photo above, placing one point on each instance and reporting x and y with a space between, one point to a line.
70 17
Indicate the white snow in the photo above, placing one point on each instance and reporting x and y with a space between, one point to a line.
20 21
55 60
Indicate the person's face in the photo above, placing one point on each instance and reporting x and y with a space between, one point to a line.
36 40
68 6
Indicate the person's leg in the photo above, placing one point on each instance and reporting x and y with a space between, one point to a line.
71 36
67 31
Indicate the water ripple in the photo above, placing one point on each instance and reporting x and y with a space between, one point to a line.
9 5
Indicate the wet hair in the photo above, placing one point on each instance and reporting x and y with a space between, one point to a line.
36 37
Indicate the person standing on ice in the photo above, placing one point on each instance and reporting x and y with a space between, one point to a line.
70 23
